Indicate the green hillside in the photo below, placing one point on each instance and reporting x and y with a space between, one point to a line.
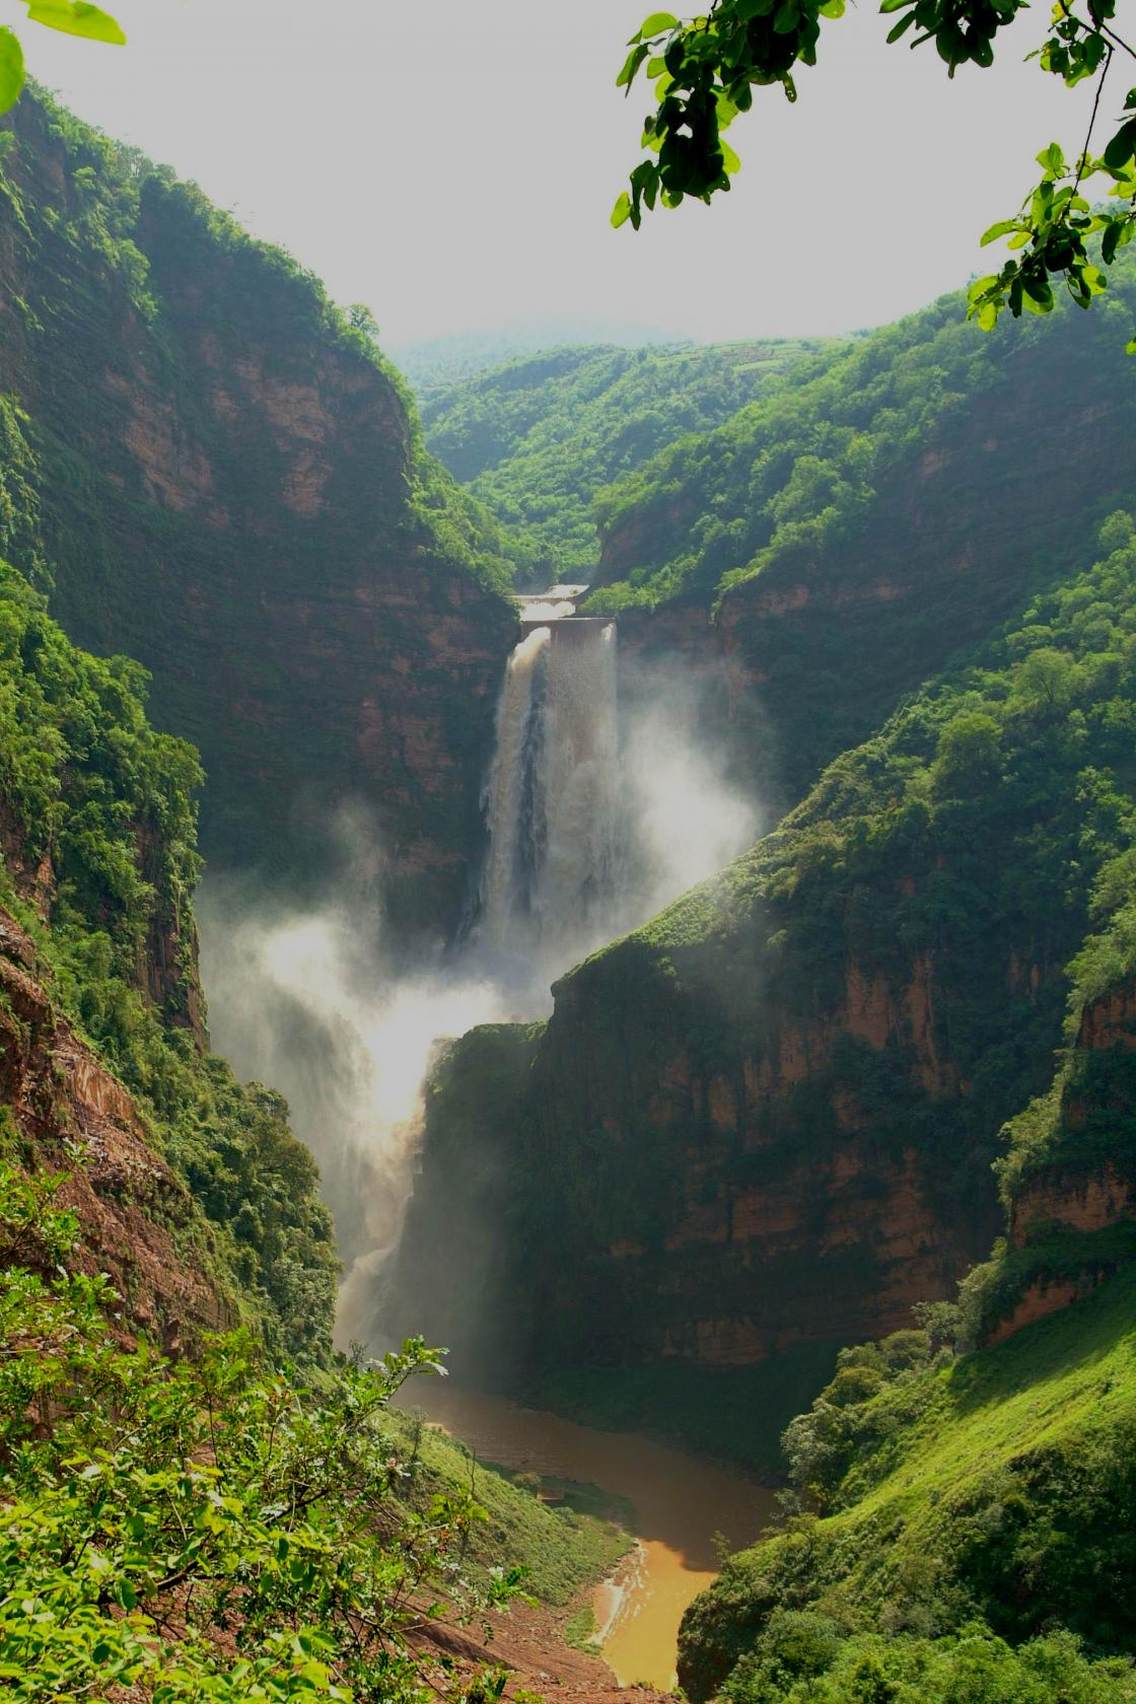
537 439
803 470
986 1495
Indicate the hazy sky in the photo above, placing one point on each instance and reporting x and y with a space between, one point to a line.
453 162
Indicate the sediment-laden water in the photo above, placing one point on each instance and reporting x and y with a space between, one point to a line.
680 1504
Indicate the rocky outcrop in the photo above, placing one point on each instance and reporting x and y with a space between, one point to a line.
69 1115
1084 1179
1071 1186
701 1177
231 492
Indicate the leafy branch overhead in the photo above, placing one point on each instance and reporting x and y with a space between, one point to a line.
72 17
705 69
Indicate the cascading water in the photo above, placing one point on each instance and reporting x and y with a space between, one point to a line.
506 881
551 878
597 817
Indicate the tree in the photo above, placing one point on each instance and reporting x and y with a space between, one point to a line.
360 318
705 71
73 17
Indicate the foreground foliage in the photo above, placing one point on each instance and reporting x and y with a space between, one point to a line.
705 71
206 1529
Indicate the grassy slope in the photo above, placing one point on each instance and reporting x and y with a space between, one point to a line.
563 1547
1006 1493
1056 1383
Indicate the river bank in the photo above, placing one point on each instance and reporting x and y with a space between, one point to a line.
674 1505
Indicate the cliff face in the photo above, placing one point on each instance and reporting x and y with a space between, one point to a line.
734 1178
191 1191
1070 1178
69 1115
767 1120
708 1161
814 652
231 491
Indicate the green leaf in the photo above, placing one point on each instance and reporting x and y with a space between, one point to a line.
832 9
901 28
1122 148
1052 160
77 17
1001 229
658 22
630 65
11 69
729 159
621 212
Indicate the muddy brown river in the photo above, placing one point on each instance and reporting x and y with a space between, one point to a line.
680 1502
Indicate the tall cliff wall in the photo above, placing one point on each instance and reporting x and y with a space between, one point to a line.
231 490
767 1119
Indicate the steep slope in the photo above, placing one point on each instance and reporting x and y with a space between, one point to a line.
66 1117
229 483
766 1120
190 1190
834 544
996 1484
155 1473
994 1489
538 438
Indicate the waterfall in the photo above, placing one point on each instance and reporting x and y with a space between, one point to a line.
505 890
599 813
551 872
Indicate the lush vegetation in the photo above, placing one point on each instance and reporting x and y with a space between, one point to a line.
536 439
958 1518
249 1521
117 194
967 856
800 475
231 487
214 1529
938 1491
98 821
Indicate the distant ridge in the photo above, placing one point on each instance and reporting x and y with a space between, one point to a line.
439 361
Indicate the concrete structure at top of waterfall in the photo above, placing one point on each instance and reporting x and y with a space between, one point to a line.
557 604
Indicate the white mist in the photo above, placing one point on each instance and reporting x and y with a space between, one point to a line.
593 828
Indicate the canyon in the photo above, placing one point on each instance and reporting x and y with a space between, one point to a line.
666 970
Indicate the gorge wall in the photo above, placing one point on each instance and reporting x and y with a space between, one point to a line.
836 544
767 1120
230 488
